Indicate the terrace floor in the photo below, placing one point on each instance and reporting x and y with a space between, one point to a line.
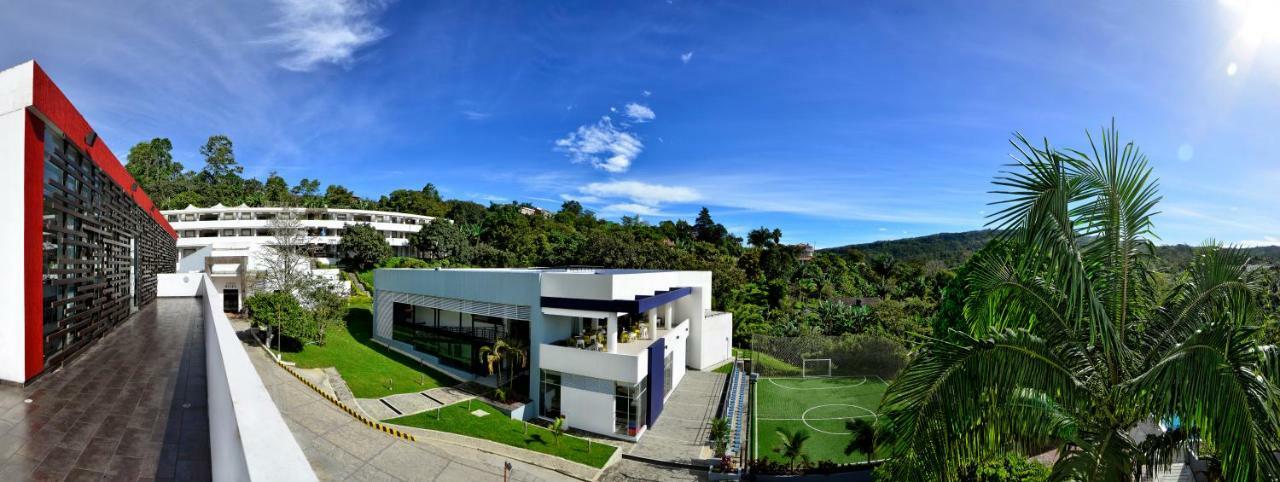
133 407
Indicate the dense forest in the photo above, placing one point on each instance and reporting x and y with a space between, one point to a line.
889 289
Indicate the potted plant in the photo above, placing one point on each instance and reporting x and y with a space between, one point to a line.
724 470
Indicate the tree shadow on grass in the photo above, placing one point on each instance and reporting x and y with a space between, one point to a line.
360 325
535 438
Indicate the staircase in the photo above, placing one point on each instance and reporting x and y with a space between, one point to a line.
737 408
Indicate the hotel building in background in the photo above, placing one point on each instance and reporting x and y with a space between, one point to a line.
606 346
228 243
84 243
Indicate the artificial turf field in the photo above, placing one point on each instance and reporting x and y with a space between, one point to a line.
820 405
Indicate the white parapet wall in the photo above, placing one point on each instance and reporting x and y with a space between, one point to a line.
248 438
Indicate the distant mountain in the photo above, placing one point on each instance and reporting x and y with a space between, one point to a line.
952 249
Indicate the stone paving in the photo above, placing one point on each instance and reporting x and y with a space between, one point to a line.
342 448
683 428
681 434
402 404
132 407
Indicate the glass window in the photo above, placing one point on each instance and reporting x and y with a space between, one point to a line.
667 375
550 406
629 407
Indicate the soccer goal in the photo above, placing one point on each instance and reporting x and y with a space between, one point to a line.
815 367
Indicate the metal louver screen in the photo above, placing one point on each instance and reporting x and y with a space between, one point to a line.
498 310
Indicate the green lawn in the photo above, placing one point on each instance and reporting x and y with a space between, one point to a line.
366 278
365 365
818 405
502 429
763 362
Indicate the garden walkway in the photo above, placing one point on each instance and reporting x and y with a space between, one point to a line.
403 404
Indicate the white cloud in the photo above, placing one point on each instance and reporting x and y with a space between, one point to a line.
686 57
640 112
476 115
603 145
581 199
316 32
641 193
632 208
646 93
1265 241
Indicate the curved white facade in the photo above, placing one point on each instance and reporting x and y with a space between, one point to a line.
247 227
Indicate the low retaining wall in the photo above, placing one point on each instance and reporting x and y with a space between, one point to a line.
248 439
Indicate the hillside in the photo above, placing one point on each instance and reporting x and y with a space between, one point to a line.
952 249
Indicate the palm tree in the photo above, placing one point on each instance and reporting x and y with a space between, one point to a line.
557 428
504 352
863 437
1073 342
720 435
791 445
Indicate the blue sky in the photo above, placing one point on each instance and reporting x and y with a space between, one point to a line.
838 122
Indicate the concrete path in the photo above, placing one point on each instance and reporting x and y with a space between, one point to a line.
341 448
683 428
402 404
681 434
132 407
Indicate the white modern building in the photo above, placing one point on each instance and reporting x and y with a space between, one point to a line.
606 346
230 243
244 226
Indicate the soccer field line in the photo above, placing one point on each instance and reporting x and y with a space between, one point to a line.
784 387
816 419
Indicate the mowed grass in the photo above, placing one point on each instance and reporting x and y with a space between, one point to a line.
502 429
764 363
370 370
818 405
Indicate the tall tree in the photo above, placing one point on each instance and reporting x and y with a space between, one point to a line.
151 164
336 196
1069 342
363 247
220 158
862 437
763 237
275 192
442 240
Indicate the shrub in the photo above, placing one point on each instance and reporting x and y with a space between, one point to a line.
282 312
404 262
328 309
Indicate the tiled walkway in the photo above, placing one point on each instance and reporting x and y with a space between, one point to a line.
131 408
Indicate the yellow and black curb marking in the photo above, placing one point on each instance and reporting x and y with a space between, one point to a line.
351 411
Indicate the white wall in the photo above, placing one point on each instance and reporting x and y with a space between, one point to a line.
677 343
596 364
248 438
587 403
194 262
172 285
15 96
715 341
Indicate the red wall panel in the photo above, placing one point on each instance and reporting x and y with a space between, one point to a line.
48 99
33 231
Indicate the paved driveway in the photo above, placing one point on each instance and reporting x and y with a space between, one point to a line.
341 448
133 407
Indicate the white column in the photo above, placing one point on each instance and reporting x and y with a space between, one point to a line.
611 333
653 324
671 323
